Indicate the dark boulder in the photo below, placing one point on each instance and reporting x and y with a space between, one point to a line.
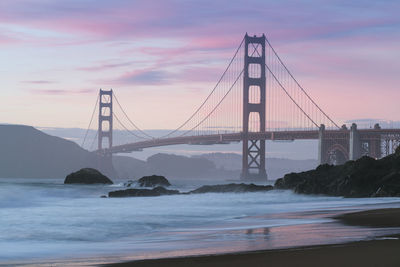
365 177
157 191
231 188
153 180
87 176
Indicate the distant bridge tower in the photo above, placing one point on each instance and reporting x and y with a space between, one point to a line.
105 118
254 83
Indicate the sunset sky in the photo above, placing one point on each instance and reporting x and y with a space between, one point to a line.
163 57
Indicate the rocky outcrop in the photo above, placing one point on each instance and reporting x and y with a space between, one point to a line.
153 180
87 176
365 177
231 188
157 191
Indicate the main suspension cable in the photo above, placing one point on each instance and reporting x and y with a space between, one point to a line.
204 102
222 99
298 84
287 93
119 121
209 114
134 125
91 119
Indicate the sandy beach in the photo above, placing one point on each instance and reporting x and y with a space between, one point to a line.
382 251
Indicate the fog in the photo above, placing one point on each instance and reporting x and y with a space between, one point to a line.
298 150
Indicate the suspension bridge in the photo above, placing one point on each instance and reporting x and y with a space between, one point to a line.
256 99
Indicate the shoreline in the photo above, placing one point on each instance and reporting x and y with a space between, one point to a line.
381 251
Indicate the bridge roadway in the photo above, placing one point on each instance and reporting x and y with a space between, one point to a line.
365 134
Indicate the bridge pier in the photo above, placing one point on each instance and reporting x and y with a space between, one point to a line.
375 148
322 146
336 148
355 143
375 144
253 164
333 147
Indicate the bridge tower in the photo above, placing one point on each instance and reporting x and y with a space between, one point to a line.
254 82
105 118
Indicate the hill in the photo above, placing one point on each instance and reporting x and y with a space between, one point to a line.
29 153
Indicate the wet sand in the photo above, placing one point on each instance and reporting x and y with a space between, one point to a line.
383 251
372 218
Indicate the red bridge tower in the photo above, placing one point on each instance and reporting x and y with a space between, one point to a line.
254 83
105 118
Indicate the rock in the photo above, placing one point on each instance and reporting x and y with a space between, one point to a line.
103 196
157 191
87 176
365 177
231 188
152 181
397 151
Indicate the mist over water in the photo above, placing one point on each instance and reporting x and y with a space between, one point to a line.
299 149
45 219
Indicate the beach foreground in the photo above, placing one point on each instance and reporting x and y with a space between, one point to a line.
383 251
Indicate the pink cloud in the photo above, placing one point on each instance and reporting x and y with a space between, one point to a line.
61 91
144 77
38 82
105 19
321 44
221 22
7 40
199 74
102 67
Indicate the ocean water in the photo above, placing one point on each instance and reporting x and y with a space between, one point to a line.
43 220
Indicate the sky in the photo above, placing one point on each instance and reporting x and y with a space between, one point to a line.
162 58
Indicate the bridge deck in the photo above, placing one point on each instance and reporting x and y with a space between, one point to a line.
237 137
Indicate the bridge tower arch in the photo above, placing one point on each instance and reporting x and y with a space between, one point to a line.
105 128
253 151
333 146
337 154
